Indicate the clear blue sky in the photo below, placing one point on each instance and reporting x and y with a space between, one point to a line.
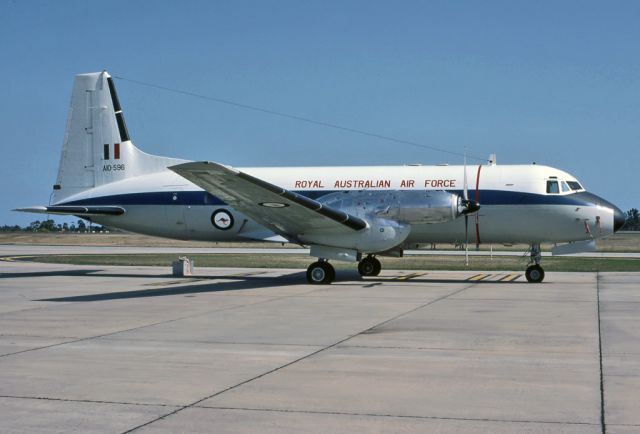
554 82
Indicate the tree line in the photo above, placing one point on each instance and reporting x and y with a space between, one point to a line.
50 225
633 220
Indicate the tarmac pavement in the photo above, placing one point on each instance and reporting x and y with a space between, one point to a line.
132 349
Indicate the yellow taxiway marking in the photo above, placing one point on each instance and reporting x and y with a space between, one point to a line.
478 277
15 258
509 277
410 276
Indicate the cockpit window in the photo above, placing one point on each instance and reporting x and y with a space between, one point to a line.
574 185
564 186
552 187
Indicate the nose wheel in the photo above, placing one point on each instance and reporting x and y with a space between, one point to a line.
321 273
369 266
534 272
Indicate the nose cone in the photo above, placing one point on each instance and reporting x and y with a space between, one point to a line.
618 219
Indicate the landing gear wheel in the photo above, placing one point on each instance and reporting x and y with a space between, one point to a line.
321 273
534 274
369 266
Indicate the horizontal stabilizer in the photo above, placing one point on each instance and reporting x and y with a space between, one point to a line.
75 210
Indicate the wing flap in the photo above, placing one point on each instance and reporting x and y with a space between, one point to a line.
283 211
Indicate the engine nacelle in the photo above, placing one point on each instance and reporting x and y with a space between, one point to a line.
428 206
411 206
389 215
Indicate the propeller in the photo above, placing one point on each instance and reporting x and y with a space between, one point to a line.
467 207
466 213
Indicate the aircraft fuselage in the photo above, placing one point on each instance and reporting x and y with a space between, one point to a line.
516 206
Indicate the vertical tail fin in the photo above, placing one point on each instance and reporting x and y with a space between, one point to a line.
97 148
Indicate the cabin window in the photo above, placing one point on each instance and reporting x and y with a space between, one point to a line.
552 187
564 186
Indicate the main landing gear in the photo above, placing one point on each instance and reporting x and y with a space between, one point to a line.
323 273
535 273
369 266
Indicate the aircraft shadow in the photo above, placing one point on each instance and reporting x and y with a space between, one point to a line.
92 272
240 283
246 282
69 273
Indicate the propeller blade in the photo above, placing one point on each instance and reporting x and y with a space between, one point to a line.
466 240
476 198
477 231
465 186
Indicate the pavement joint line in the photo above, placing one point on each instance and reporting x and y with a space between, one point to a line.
623 302
42 306
521 300
11 335
299 359
211 342
616 354
87 338
345 413
603 423
89 401
492 350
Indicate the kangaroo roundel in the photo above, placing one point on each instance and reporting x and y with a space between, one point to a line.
222 219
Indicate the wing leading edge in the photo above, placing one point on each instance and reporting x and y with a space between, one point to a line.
75 210
283 211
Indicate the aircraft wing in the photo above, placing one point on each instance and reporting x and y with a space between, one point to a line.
285 212
75 210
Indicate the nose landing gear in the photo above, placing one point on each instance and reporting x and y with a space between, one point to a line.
535 273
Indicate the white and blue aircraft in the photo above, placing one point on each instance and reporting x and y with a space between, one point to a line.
342 213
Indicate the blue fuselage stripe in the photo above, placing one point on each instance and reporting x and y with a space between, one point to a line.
486 197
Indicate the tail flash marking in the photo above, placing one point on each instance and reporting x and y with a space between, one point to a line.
122 126
114 96
116 151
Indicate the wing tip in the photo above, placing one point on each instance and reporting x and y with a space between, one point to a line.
37 209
